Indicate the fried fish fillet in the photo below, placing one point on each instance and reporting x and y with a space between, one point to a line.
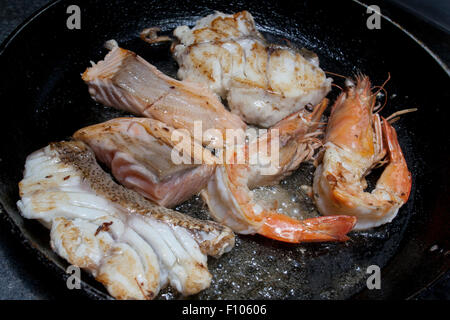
262 82
132 246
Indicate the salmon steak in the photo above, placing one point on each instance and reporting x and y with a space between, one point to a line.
143 157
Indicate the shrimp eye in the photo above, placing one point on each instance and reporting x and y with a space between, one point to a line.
309 107
349 83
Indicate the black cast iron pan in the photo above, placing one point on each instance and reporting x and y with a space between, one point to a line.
43 99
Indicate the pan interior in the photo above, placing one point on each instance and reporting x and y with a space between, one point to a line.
48 102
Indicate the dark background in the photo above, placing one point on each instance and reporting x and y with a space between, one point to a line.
22 277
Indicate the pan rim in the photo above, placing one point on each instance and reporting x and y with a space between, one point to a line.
92 292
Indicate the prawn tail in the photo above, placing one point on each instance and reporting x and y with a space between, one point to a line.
331 228
396 176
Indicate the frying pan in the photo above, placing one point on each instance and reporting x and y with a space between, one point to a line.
44 100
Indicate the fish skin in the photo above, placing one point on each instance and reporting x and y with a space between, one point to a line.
139 153
126 81
134 247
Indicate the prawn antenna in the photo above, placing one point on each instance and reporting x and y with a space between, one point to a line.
378 109
396 115
336 74
384 83
335 85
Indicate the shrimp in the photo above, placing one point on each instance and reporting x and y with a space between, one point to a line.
358 140
298 136
231 202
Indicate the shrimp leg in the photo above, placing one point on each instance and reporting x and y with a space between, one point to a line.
232 203
358 140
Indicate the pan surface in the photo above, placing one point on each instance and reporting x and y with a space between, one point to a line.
44 99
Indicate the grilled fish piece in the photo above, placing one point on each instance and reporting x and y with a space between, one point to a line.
125 81
263 83
141 155
132 246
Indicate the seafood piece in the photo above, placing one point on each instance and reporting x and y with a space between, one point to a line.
263 83
125 81
134 247
139 152
298 139
231 202
356 141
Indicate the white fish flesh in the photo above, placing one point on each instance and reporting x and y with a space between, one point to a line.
263 83
134 247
